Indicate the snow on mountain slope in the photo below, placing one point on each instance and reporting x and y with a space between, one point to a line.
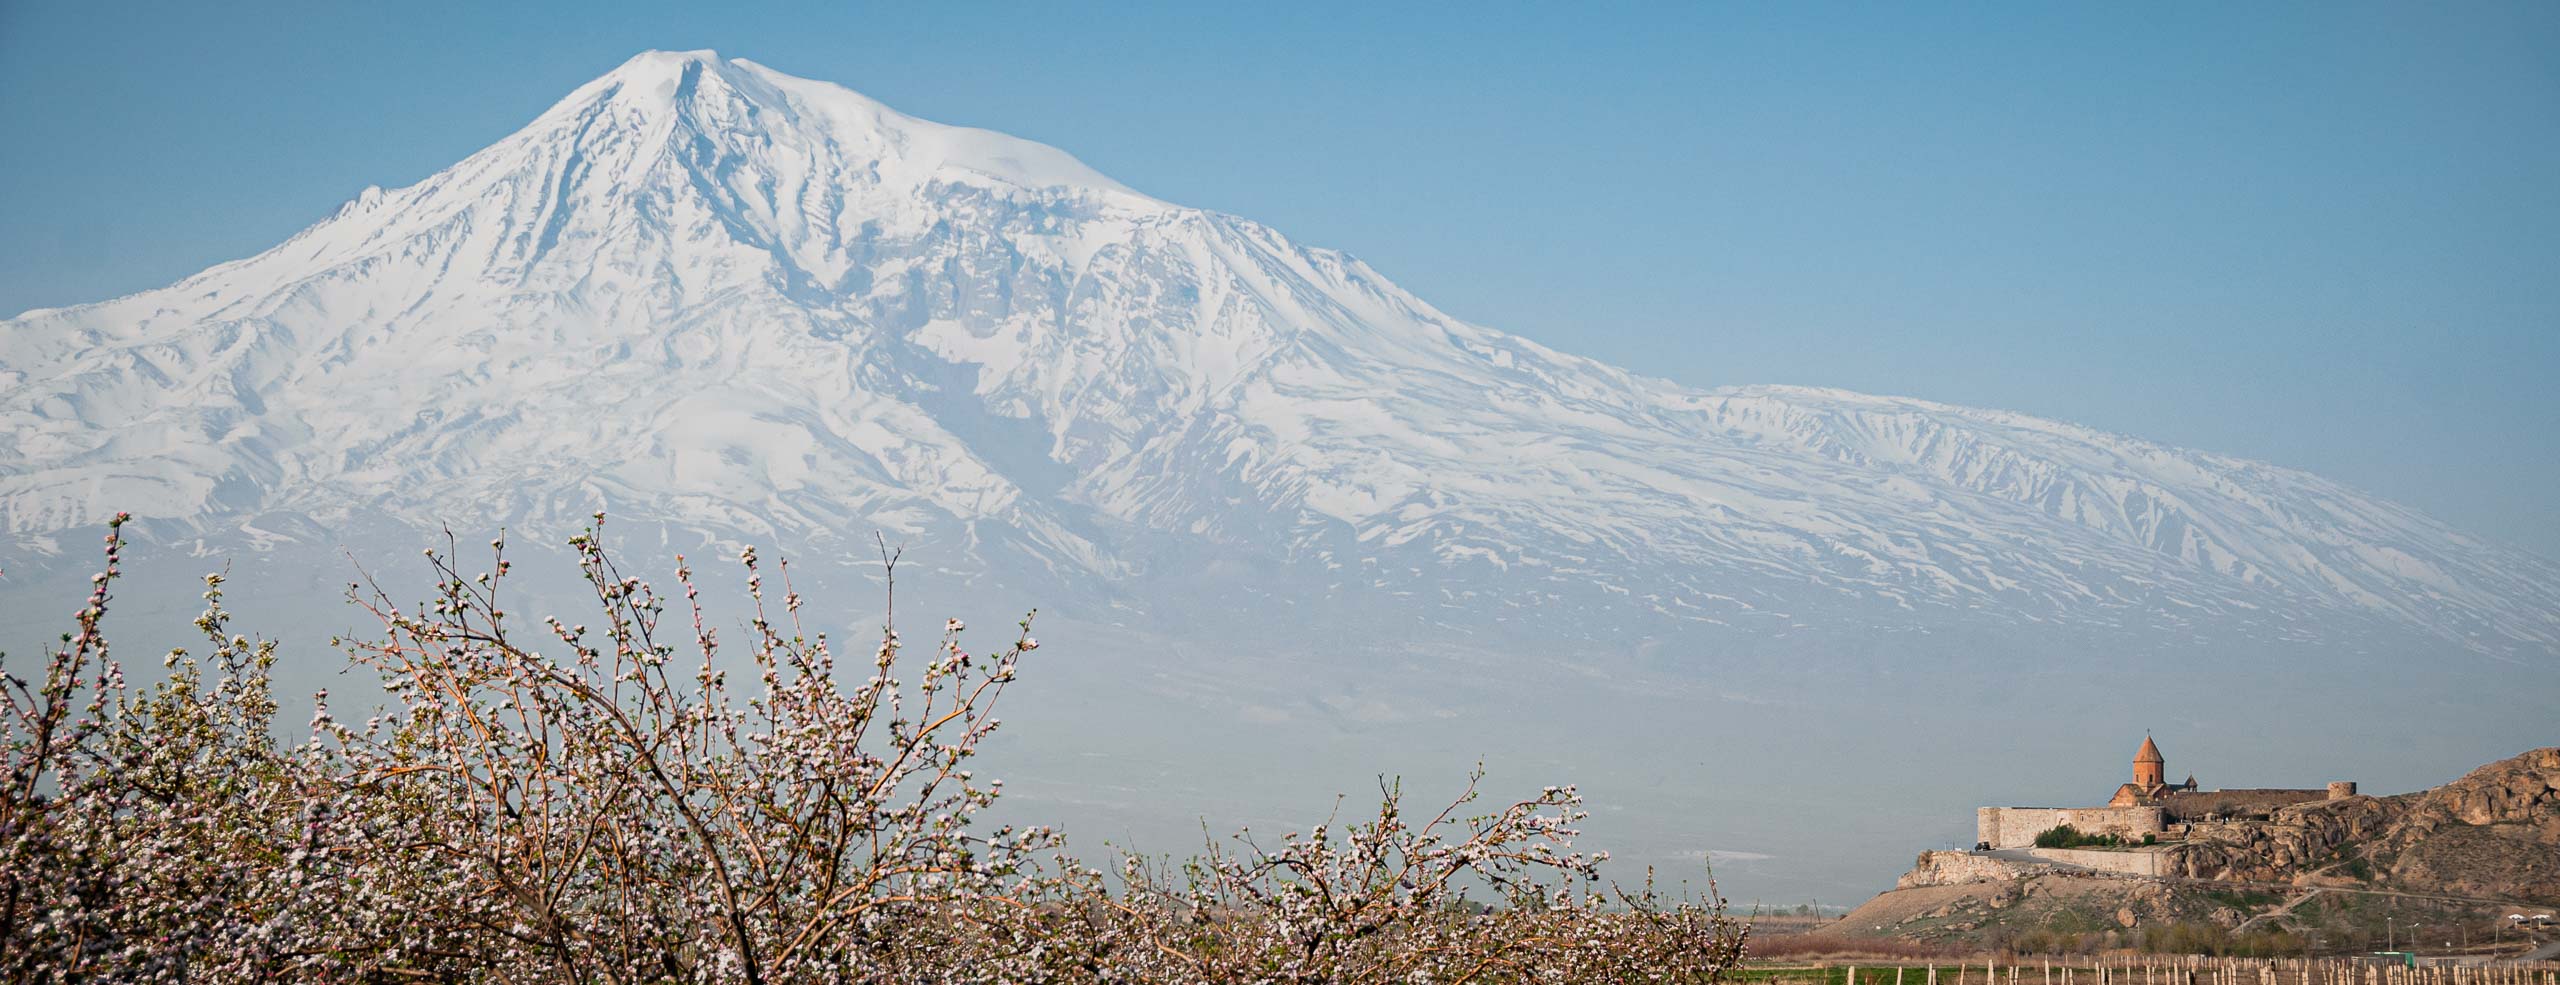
701 292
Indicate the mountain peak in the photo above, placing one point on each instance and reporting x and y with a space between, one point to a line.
712 105
660 60
677 171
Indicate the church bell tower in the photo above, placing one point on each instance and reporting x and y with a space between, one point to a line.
2150 770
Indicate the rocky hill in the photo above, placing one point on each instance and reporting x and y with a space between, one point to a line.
2493 833
2324 867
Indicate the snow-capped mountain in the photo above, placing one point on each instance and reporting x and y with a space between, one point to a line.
703 293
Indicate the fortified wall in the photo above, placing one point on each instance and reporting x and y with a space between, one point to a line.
2150 805
2017 827
2203 804
1958 868
2146 862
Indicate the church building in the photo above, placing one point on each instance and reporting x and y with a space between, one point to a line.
2148 806
2150 779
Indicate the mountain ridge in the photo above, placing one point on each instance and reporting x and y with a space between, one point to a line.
716 296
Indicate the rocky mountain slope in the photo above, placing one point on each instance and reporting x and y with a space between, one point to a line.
2495 833
705 294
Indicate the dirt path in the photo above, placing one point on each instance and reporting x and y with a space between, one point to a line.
2283 909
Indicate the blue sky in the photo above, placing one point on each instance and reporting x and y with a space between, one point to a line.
2326 236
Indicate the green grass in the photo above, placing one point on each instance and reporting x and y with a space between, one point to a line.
2245 900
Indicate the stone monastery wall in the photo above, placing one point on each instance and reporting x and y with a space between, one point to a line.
2140 862
2205 803
1958 868
2017 827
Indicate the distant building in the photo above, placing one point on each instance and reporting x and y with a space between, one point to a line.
2150 779
2149 805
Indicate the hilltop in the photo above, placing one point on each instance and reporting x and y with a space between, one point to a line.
2339 869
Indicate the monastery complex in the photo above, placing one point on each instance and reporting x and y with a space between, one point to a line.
2148 807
